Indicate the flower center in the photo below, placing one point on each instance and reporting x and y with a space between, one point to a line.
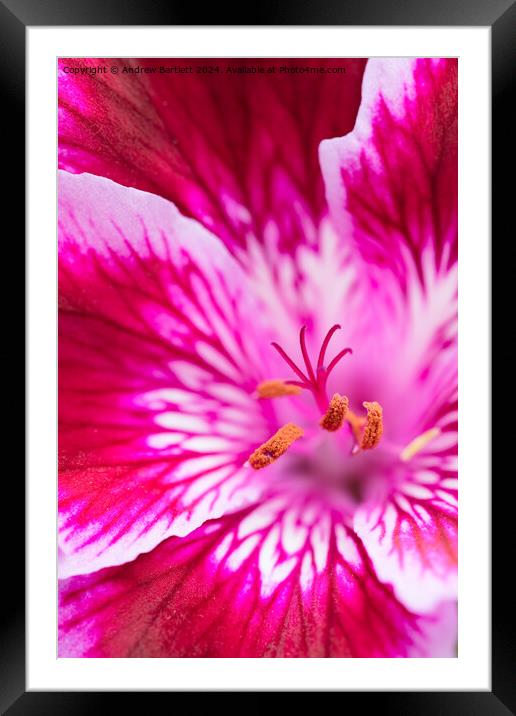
366 430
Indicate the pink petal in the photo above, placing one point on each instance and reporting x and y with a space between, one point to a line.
412 537
279 580
438 635
235 151
392 182
156 414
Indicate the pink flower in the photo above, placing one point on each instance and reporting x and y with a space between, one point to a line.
219 496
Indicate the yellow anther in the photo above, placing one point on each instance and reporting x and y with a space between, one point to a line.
275 447
418 444
336 413
276 389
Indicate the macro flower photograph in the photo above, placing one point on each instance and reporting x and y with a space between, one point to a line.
257 358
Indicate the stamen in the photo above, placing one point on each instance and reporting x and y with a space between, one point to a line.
367 431
418 444
275 447
356 423
374 425
276 389
334 417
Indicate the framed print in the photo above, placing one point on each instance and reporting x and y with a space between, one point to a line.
258 356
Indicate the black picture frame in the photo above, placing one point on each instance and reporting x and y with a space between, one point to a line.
500 16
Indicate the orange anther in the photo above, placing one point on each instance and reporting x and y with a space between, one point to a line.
366 430
275 447
334 416
373 427
276 389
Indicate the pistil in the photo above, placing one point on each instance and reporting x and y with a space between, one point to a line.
314 381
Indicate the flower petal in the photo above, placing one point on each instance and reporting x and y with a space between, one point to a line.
392 182
272 581
155 375
412 538
438 635
237 152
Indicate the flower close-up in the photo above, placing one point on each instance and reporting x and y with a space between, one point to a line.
258 358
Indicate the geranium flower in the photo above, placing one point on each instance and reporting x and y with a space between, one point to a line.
218 495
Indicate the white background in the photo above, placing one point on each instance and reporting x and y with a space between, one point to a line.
471 670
